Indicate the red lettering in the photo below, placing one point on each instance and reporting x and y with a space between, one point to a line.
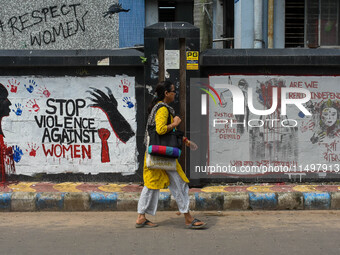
87 151
292 84
58 155
72 151
49 151
76 151
69 148
312 84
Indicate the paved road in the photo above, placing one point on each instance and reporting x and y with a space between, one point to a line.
258 232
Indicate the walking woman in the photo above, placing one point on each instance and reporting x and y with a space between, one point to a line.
155 179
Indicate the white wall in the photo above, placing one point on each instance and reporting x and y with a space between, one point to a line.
151 12
312 142
36 99
218 23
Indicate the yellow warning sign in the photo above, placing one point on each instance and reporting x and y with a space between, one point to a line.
192 60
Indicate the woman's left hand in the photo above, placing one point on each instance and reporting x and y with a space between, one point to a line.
193 146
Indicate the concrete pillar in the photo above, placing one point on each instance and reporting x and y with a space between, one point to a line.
218 23
279 24
151 12
203 18
258 42
270 24
244 24
265 23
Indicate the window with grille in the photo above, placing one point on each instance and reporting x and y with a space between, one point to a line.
295 23
322 23
312 23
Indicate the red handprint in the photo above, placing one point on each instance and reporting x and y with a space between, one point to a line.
33 106
13 85
32 149
308 126
126 84
337 133
104 134
43 92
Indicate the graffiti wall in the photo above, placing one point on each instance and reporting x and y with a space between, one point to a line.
68 125
295 139
42 24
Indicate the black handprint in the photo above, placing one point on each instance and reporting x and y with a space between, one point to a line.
319 138
109 105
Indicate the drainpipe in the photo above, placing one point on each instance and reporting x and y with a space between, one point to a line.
258 40
270 23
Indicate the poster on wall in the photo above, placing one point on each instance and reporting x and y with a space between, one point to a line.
272 124
68 125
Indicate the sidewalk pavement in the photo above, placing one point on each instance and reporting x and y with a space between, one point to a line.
78 196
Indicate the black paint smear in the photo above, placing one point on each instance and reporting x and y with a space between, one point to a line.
115 8
109 104
4 105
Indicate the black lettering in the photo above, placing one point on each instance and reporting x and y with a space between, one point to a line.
86 137
57 33
50 121
36 38
56 123
46 136
47 37
36 17
82 123
55 136
42 120
61 101
24 21
62 10
78 134
53 11
70 113
44 11
93 135
80 103
67 122
65 137
82 26
69 29
51 106
77 123
70 133
11 23
74 9
91 124
1 25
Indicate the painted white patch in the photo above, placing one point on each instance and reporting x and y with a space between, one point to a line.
149 88
43 102
312 142
104 62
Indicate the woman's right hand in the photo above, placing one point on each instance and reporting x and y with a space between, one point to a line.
177 121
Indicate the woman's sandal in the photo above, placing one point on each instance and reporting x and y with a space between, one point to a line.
193 226
146 225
